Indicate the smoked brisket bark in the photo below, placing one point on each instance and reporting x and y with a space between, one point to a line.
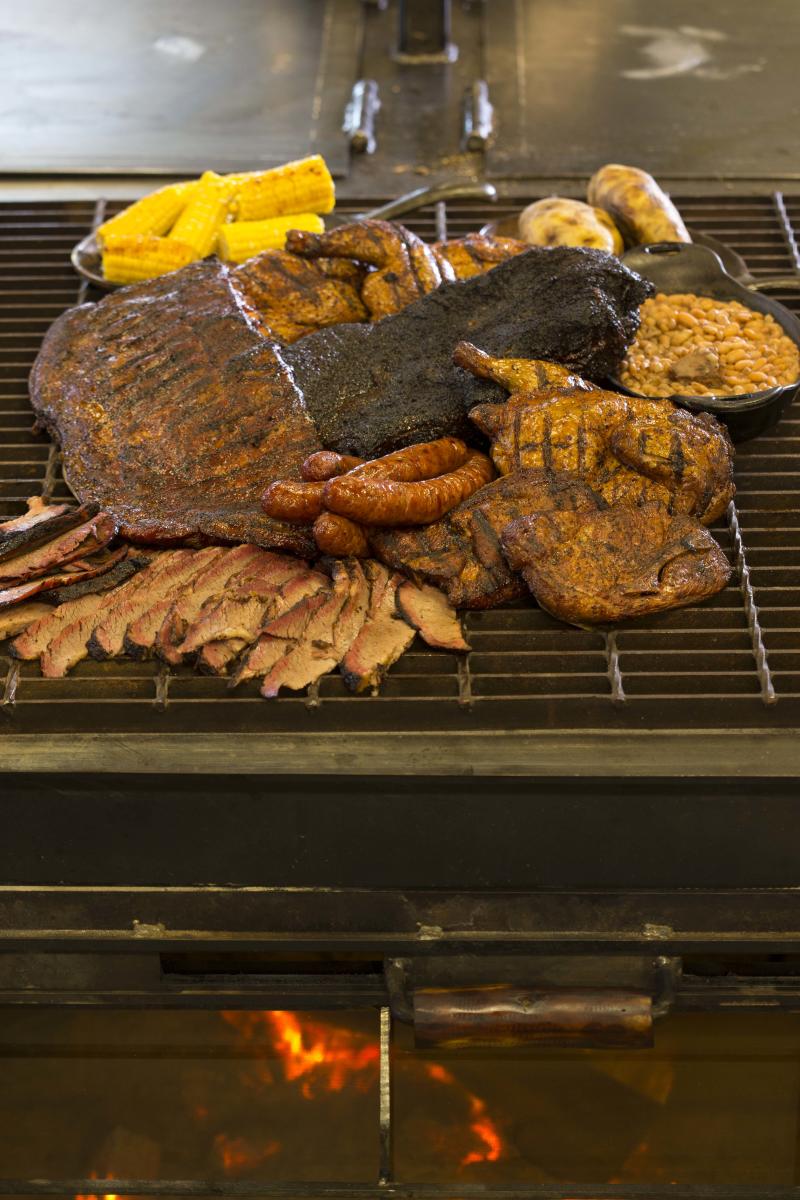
373 388
54 554
173 411
75 572
42 522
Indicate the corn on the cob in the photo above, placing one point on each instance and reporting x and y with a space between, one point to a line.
298 187
153 214
201 219
130 257
243 239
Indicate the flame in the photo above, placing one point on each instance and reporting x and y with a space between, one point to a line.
320 1056
106 1196
237 1154
490 1146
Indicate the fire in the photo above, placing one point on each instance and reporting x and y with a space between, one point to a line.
106 1195
237 1154
490 1146
319 1056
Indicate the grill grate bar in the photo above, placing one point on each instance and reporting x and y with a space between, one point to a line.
751 608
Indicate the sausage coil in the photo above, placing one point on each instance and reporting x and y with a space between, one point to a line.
290 500
413 463
340 536
326 464
380 501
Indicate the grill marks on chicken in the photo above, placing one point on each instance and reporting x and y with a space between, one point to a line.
602 567
285 621
172 410
462 553
624 447
291 297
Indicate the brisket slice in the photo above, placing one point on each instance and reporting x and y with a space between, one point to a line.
68 646
38 636
186 607
134 598
41 523
173 412
427 610
77 543
67 578
252 601
17 619
123 568
216 657
279 636
462 553
328 634
383 637
141 633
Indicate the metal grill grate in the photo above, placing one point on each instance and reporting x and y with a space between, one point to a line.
730 662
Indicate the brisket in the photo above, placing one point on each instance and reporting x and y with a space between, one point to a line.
85 539
426 609
142 631
173 412
373 388
134 598
38 636
383 637
64 579
69 645
41 523
15 620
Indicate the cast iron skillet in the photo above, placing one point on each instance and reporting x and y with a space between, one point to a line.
681 267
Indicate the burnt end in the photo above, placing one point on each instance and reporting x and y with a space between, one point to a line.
374 388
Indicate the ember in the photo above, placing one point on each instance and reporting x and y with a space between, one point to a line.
237 1154
106 1195
327 1057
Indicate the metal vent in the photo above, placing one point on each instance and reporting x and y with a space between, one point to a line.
733 661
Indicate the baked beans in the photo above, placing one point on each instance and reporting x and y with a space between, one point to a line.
695 346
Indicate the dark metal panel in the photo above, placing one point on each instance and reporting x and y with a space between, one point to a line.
176 85
330 831
574 81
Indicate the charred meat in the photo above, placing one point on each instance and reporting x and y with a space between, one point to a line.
462 553
625 447
597 568
368 394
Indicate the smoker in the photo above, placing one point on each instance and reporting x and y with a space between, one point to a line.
553 843
540 853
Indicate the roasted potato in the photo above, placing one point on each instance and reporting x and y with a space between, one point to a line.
557 221
638 206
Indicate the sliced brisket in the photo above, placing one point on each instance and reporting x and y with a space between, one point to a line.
15 620
69 646
383 637
77 543
427 610
38 636
92 569
135 598
41 523
141 633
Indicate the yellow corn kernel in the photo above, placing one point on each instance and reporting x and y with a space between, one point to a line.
153 214
130 257
201 219
297 187
243 239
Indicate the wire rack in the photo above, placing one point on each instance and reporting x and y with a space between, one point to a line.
733 661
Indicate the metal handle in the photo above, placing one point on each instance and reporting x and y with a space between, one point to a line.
787 282
422 197
512 1016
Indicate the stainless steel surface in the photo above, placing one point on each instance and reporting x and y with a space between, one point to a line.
175 86
577 84
672 695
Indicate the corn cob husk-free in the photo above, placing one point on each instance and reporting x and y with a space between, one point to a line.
298 187
242 239
131 257
201 219
154 214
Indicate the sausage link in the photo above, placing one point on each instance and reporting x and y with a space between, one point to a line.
326 464
337 535
290 500
388 502
422 461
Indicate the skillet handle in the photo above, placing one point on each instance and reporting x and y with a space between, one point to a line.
430 195
789 283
